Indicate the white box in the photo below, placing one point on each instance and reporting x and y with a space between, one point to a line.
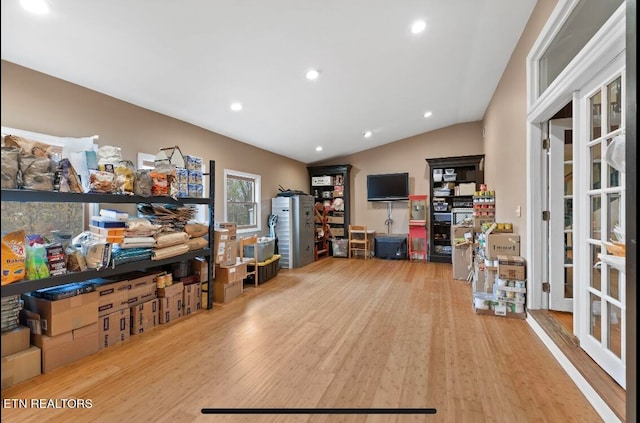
322 180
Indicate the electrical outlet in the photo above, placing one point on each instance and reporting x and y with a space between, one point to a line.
518 211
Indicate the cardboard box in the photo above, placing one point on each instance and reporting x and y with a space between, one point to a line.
502 244
322 180
61 316
170 308
143 287
337 231
63 349
200 266
483 278
20 366
479 220
225 292
512 268
144 316
191 299
229 274
461 260
114 328
112 296
15 340
467 188
485 304
462 233
222 244
175 288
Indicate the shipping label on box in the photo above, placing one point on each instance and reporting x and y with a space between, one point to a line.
144 316
502 244
511 268
114 328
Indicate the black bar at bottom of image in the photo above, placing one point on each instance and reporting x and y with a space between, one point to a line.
318 411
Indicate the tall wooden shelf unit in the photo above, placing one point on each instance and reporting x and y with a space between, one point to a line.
467 170
330 186
37 197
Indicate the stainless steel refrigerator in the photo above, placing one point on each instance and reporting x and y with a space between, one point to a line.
294 229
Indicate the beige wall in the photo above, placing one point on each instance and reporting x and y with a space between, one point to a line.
407 155
505 120
36 102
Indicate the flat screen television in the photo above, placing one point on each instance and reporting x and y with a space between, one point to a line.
388 187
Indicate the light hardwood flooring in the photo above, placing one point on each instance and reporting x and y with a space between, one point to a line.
336 333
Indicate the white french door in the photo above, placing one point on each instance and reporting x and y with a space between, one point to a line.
560 205
600 205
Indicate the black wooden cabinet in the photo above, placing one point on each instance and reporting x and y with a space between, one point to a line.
453 180
330 186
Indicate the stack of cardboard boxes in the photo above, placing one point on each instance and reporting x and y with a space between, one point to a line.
229 270
56 332
496 267
20 359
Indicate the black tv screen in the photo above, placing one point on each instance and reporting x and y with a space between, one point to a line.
388 187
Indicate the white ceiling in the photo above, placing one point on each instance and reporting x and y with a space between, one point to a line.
190 59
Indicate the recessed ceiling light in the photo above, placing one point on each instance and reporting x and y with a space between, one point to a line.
418 26
319 148
367 134
312 74
236 107
427 114
35 6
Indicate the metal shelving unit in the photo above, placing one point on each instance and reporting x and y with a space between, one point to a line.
27 196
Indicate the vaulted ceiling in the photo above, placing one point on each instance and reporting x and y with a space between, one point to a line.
192 59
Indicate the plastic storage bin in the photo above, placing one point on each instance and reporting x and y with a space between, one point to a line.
266 247
266 270
340 247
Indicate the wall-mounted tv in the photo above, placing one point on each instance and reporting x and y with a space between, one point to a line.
388 187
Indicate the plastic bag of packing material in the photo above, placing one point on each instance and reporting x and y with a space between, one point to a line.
14 257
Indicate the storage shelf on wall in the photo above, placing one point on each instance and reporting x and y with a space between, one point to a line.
336 186
29 196
468 169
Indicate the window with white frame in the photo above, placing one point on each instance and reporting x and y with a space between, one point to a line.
242 200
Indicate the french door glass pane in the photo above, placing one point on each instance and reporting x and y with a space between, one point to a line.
596 165
596 276
568 178
595 216
568 285
615 330
614 104
614 213
614 175
614 282
596 306
596 116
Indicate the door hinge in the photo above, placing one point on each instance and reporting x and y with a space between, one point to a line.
546 287
546 144
546 215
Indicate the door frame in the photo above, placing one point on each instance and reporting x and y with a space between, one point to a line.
602 49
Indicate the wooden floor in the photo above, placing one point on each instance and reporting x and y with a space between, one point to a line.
559 327
338 333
